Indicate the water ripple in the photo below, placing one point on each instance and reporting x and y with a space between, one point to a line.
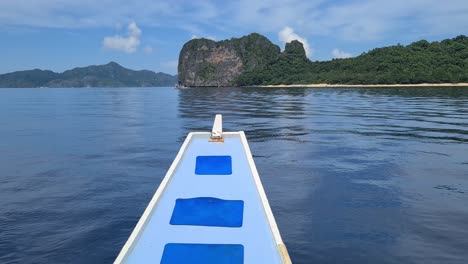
352 175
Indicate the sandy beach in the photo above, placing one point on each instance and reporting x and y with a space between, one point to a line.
321 85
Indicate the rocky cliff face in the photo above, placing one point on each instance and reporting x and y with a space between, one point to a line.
204 62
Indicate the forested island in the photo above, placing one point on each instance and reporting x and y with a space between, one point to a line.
254 60
108 75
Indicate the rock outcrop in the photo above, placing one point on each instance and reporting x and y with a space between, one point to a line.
203 62
295 49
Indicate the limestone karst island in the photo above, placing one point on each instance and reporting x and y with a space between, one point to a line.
255 60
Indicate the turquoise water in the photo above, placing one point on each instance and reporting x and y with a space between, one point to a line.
352 175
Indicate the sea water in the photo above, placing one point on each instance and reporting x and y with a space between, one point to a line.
353 175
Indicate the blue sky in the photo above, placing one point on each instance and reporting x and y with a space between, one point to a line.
148 34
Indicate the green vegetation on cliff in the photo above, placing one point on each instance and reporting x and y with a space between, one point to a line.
255 50
289 67
108 75
419 62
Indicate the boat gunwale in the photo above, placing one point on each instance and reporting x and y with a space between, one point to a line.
266 205
142 222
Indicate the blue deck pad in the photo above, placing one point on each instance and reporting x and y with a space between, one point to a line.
213 165
203 254
208 211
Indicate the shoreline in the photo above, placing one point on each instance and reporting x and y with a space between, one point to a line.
324 85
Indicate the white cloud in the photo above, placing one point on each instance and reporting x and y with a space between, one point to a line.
128 44
148 49
287 34
339 54
355 20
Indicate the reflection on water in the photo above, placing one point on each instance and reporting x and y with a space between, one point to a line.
352 175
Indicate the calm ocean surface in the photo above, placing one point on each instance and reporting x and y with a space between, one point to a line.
352 175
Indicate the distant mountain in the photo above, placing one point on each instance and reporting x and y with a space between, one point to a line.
108 75
254 60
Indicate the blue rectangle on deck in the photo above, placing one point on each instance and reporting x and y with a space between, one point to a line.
213 165
203 254
208 211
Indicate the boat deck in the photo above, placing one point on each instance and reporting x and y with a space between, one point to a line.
248 231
